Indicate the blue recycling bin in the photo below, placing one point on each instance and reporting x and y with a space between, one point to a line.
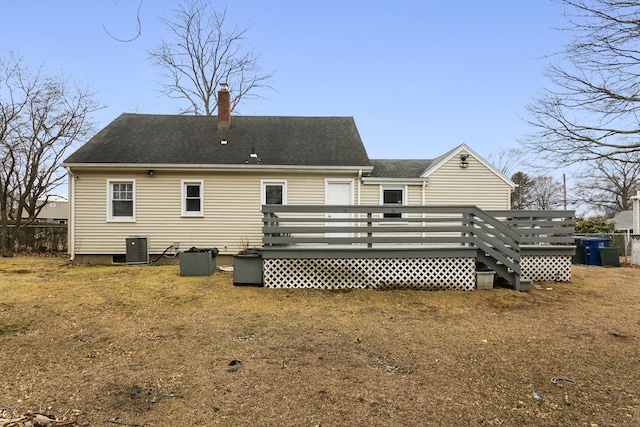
592 247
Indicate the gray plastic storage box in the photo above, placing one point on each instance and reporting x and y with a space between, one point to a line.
247 267
198 262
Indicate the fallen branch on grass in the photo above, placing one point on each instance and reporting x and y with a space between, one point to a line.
35 420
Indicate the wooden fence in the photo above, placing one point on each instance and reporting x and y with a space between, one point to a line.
41 238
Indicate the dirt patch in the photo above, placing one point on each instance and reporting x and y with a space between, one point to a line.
106 346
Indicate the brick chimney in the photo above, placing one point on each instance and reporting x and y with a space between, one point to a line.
224 108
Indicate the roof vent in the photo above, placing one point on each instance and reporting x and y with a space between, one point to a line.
253 156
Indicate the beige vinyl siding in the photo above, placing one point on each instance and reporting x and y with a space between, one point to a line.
414 195
452 185
475 185
370 193
231 203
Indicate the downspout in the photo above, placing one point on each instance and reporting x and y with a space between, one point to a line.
71 235
359 180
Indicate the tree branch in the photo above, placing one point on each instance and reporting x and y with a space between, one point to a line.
203 52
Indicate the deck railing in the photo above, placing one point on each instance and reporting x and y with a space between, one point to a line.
383 225
540 227
497 235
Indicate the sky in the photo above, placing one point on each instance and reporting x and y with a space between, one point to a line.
419 77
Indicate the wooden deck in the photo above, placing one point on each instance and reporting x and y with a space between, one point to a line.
438 247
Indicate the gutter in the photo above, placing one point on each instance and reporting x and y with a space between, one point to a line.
71 235
218 167
381 180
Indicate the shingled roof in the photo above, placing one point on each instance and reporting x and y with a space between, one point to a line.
396 168
189 140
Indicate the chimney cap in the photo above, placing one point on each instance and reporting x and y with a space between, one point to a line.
224 86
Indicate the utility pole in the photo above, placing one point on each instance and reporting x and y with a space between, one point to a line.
564 190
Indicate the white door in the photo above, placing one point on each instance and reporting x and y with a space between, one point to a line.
339 192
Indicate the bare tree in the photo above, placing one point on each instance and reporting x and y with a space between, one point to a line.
545 193
590 111
40 117
607 186
538 192
505 160
203 52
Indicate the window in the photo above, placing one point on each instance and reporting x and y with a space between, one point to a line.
393 196
121 200
192 201
274 193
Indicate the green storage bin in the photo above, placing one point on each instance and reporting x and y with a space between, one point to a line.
610 257
578 256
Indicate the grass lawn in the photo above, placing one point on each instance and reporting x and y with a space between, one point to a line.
143 346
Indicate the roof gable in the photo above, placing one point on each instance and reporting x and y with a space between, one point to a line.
189 140
423 168
463 148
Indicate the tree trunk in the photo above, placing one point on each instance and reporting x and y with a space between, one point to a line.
5 236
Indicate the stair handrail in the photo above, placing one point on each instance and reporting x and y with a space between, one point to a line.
496 239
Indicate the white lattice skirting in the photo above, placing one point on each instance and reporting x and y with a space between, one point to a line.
387 273
545 268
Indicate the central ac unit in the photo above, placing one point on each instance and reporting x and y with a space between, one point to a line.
137 250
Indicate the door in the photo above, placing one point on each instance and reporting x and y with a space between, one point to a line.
339 192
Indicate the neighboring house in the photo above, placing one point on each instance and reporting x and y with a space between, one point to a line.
635 201
200 181
55 210
624 221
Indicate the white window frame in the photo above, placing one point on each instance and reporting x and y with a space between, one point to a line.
110 216
183 197
403 188
263 189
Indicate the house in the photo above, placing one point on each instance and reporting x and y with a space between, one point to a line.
629 221
624 221
55 210
200 181
635 242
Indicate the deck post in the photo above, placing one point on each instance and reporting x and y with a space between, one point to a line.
369 225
